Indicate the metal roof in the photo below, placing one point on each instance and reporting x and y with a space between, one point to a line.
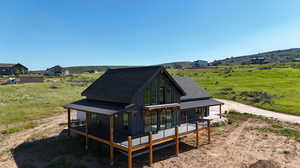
199 103
192 89
7 65
96 107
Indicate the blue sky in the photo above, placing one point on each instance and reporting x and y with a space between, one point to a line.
41 33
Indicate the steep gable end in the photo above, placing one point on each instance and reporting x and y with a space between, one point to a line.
121 85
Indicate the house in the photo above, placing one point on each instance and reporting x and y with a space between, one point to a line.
296 60
12 69
56 71
139 110
200 64
258 60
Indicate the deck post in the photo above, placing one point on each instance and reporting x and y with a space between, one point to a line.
177 140
197 134
150 149
220 111
129 152
111 139
87 118
69 121
208 130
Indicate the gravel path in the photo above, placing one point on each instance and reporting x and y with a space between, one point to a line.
231 105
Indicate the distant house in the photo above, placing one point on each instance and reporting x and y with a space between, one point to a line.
12 69
200 64
57 71
258 60
296 60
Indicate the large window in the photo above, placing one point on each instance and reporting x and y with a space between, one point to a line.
150 121
169 95
146 96
166 119
153 92
162 97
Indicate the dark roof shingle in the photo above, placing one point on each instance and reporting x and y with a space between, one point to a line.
120 85
96 107
193 90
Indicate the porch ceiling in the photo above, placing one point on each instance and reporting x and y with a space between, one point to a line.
199 103
96 107
162 106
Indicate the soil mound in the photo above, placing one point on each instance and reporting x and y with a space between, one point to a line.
264 164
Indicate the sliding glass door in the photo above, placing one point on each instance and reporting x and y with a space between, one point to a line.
159 120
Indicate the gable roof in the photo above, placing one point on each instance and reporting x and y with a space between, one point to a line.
192 89
10 65
121 85
7 65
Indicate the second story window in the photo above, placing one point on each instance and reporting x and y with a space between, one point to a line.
153 92
169 95
146 96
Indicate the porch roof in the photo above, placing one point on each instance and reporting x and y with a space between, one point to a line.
162 106
199 103
98 107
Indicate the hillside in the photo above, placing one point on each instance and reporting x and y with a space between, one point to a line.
278 56
82 69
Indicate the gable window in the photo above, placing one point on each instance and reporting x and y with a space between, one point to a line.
169 95
146 97
162 96
153 93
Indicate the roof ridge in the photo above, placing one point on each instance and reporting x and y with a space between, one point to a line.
136 67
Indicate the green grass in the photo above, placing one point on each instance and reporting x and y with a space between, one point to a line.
276 89
23 102
22 127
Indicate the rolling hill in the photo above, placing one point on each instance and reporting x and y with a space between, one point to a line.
278 56
82 69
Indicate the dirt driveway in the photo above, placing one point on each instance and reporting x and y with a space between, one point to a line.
237 145
231 105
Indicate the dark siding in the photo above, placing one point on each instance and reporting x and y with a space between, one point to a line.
137 122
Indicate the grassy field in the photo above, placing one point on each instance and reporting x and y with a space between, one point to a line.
24 102
275 89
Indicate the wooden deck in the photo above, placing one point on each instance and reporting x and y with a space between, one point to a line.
164 134
143 144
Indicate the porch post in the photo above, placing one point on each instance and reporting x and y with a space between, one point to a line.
87 118
208 130
69 121
111 139
197 134
150 149
177 140
220 111
129 152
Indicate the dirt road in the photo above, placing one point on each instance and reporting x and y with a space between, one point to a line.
231 105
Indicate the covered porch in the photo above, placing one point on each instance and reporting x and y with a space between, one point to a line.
129 146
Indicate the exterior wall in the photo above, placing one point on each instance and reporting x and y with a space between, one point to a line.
199 64
56 71
137 118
